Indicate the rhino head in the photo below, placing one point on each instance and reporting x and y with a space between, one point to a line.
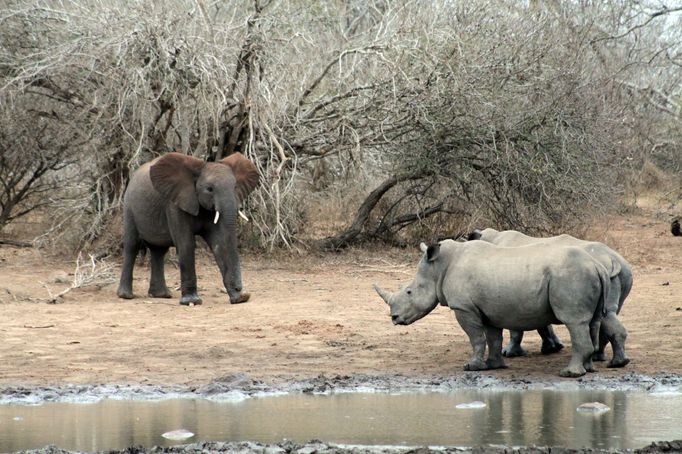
416 299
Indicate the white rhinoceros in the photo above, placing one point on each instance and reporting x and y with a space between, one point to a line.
491 288
610 328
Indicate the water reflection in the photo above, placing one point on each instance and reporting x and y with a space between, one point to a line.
540 417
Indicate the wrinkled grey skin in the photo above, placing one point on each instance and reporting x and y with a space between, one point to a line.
491 288
170 200
610 328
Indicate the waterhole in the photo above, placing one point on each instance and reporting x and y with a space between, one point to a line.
469 417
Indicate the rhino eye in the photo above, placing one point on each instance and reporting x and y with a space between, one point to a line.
408 291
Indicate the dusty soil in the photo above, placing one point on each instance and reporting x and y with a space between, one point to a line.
309 315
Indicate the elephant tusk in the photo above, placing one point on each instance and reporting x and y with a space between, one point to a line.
217 216
243 216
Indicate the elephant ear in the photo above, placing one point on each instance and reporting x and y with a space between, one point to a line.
245 172
174 176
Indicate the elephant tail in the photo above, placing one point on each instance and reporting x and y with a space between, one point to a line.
141 252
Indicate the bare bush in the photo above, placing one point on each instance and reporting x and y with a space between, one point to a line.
522 114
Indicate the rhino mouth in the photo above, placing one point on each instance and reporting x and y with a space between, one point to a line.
404 320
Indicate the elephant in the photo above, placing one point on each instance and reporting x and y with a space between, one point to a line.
619 270
491 288
175 197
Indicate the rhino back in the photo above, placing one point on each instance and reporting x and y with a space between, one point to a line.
514 288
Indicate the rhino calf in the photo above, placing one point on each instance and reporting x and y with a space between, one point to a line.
491 288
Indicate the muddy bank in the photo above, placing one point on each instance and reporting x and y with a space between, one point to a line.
319 447
243 386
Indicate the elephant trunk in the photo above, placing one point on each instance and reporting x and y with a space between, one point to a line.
386 296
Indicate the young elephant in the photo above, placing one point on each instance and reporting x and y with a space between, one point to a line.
492 288
610 328
175 197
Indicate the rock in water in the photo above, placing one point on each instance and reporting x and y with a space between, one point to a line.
180 434
594 408
474 404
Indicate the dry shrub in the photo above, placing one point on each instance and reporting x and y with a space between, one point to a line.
516 114
651 178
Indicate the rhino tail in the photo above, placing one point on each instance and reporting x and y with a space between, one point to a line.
605 281
615 268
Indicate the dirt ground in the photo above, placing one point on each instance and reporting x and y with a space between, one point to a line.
308 315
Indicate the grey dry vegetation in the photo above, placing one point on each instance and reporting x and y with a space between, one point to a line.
421 117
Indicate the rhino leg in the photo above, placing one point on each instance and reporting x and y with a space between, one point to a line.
550 341
493 337
600 354
473 327
613 329
581 344
616 333
514 348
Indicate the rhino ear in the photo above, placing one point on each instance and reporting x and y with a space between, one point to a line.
432 252
245 172
174 176
475 235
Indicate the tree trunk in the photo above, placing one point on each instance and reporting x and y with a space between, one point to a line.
354 233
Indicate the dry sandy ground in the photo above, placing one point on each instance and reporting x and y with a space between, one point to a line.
308 315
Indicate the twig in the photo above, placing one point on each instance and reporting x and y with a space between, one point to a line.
16 243
94 273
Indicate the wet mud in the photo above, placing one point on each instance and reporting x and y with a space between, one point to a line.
242 384
319 447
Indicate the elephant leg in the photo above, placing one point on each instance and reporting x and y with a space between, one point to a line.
581 344
616 334
185 246
493 337
131 246
157 283
514 348
550 341
473 327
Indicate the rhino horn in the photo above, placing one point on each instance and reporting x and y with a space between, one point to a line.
386 296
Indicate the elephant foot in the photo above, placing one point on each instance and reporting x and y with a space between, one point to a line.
589 368
495 364
243 298
599 356
618 362
513 350
572 372
476 364
124 293
550 347
192 299
161 293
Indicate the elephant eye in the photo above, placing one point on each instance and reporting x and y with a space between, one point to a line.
409 291
209 188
